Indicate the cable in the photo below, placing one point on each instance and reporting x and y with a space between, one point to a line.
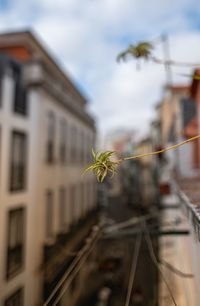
175 270
133 268
154 260
132 221
137 230
73 274
166 224
72 266
173 63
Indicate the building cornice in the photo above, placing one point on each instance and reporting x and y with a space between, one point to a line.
37 74
30 40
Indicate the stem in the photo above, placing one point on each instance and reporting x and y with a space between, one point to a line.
160 151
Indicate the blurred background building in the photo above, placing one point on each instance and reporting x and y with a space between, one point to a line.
51 216
46 136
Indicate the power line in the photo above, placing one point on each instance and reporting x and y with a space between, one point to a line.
136 221
175 270
133 268
156 263
132 221
72 266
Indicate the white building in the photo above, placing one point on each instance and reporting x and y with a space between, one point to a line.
45 140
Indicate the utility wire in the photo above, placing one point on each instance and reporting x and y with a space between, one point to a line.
132 221
136 230
67 283
133 268
173 63
156 263
136 222
175 270
72 266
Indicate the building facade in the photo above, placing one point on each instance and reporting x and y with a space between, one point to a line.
179 117
46 137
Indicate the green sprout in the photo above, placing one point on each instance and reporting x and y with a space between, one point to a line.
141 50
102 165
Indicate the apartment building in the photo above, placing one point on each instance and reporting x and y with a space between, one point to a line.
177 114
46 205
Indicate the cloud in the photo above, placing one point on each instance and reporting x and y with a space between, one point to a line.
87 35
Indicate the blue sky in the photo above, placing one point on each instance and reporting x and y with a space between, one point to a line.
86 36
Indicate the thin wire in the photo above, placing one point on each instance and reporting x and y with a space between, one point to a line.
160 151
65 276
132 221
155 261
136 221
73 274
173 63
133 268
175 270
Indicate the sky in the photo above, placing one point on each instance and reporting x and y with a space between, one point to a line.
85 36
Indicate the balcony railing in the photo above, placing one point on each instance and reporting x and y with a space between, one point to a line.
192 212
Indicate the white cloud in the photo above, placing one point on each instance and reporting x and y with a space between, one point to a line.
87 35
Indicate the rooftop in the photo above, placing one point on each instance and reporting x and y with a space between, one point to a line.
179 88
26 46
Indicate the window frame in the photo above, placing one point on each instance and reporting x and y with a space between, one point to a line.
51 137
73 144
20 104
49 218
62 208
20 247
63 141
19 293
22 166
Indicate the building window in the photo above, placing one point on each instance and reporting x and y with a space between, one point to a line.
50 137
49 214
63 140
73 144
82 157
16 242
89 148
81 147
18 161
62 206
16 299
20 92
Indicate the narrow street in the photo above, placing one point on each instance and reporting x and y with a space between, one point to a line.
113 261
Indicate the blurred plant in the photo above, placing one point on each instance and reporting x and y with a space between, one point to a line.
143 50
102 165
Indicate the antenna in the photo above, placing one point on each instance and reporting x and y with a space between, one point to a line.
166 52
